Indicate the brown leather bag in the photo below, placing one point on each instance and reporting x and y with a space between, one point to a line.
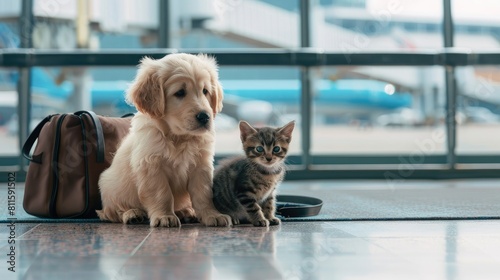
71 152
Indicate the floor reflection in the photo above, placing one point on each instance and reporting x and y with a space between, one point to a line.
111 251
450 250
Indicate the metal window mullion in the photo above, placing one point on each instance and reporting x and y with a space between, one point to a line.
450 83
306 115
306 85
164 24
24 83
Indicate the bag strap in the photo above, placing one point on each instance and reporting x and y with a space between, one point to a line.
297 206
128 115
99 133
33 137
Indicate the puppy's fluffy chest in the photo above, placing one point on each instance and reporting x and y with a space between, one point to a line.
174 151
183 155
180 160
176 156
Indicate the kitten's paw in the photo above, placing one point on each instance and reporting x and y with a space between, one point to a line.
134 216
235 221
165 221
216 220
261 223
274 221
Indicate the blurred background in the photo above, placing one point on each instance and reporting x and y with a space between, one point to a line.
365 111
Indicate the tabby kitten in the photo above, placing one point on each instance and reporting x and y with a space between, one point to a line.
245 187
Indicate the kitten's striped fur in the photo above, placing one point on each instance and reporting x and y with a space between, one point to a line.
245 187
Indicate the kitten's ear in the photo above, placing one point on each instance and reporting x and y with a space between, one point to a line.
245 130
287 130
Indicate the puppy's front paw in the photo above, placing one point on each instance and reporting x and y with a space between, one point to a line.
216 220
101 215
187 215
133 216
165 221
261 223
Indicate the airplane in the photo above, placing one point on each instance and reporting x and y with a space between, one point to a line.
345 98
352 95
339 99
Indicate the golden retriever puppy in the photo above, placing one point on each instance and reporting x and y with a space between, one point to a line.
163 168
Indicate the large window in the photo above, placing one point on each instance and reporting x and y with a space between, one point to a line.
261 96
378 110
378 25
477 25
235 24
378 78
8 117
478 111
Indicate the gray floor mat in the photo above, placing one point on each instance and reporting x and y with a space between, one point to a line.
376 202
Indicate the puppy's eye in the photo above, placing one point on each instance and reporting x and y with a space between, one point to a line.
181 93
259 149
276 149
205 91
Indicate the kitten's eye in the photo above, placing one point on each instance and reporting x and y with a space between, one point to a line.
205 91
276 149
259 149
181 93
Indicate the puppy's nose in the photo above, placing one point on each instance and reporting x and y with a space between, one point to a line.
203 117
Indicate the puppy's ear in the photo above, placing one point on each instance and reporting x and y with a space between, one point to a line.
245 130
216 98
146 92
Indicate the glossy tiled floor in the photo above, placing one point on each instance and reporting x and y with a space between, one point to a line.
306 250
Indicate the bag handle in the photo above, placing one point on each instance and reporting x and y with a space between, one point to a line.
99 133
128 115
28 145
33 137
297 206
